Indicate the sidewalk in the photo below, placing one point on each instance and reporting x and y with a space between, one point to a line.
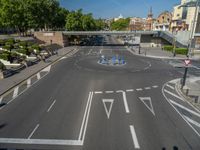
7 83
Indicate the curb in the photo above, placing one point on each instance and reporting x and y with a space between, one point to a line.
187 99
21 82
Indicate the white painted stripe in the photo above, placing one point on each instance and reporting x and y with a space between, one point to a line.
15 93
171 87
189 110
38 76
47 69
87 118
125 101
51 106
41 141
1 98
109 92
192 121
98 92
134 137
129 90
85 113
155 86
139 89
173 94
28 83
37 126
147 88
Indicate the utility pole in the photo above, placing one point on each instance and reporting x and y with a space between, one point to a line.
187 62
174 48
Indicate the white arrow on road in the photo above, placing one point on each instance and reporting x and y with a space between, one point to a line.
147 102
108 103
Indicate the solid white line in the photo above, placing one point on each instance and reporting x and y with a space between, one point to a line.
28 83
86 113
147 88
33 131
98 92
87 118
155 86
109 92
15 93
139 89
38 76
129 90
173 94
171 87
125 100
192 121
51 105
179 112
134 137
40 141
189 110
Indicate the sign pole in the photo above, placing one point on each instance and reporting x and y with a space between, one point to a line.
184 77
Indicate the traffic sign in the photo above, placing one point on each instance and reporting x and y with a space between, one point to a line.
187 62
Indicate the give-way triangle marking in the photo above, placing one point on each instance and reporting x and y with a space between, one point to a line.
108 103
147 102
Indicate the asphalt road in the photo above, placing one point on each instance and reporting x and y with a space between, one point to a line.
83 105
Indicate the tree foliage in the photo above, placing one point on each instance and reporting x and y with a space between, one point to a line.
121 24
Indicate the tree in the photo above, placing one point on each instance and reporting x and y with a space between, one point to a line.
88 22
121 24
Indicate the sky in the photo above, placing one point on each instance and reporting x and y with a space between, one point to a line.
113 8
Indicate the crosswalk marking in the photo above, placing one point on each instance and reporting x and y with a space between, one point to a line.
173 94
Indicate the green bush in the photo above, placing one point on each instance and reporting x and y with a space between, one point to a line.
2 42
23 43
7 47
11 40
182 51
22 51
168 48
4 56
36 46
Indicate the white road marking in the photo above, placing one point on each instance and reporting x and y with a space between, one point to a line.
155 86
85 114
37 126
150 107
1 98
147 88
108 110
173 94
129 90
192 121
101 51
134 137
139 89
109 92
15 93
41 141
182 107
179 112
28 83
47 69
125 100
38 76
171 87
86 123
51 106
98 92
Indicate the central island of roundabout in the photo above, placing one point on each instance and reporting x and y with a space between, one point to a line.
112 61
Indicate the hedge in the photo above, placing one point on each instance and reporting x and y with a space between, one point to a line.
170 48
4 56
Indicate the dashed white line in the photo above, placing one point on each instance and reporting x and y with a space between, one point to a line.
51 106
98 92
147 88
181 106
28 83
134 137
38 76
15 93
173 94
171 87
139 89
37 126
109 92
129 90
155 86
125 100
192 121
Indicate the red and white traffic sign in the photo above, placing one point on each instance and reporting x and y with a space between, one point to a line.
187 62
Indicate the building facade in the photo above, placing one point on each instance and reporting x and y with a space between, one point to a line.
149 21
136 24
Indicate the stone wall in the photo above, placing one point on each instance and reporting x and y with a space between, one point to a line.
52 38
